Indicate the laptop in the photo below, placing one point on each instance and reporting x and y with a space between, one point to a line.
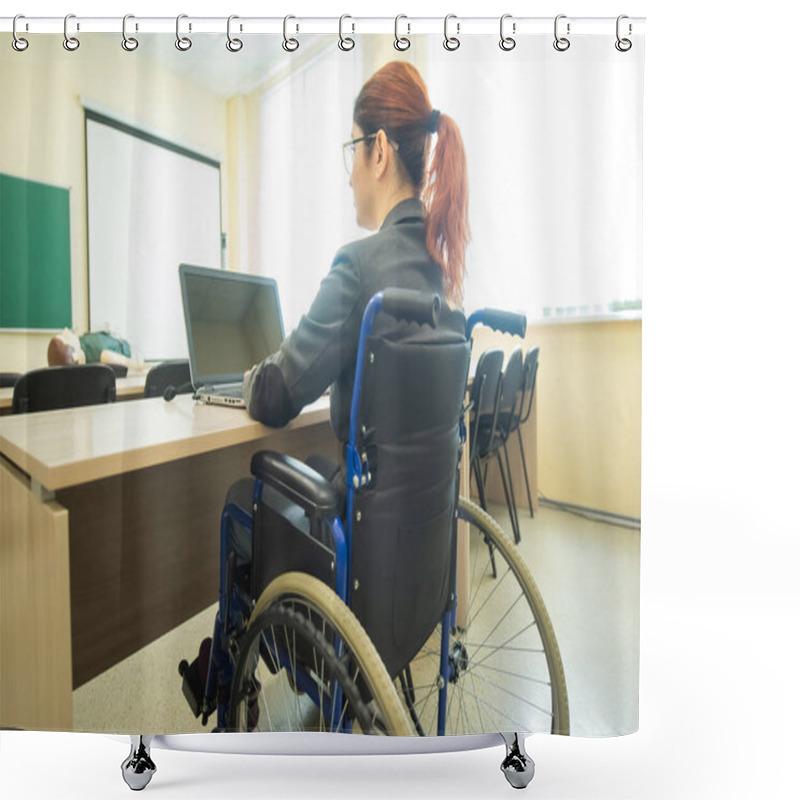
233 321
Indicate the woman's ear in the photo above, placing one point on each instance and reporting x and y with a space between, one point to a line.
381 153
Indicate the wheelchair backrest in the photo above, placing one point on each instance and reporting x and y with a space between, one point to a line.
402 522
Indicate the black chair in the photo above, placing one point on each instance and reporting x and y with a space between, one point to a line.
168 373
64 387
507 405
8 379
529 371
483 402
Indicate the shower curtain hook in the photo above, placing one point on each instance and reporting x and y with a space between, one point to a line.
401 43
289 45
506 42
561 43
345 42
233 45
183 43
451 42
18 43
129 43
71 43
623 45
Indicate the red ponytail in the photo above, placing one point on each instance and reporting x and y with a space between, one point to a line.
395 99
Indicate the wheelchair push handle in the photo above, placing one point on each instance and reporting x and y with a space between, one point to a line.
503 321
412 306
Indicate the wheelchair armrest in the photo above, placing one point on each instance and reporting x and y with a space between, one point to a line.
296 480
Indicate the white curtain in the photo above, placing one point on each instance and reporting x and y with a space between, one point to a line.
553 144
305 205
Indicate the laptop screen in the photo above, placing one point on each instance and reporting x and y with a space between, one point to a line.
233 321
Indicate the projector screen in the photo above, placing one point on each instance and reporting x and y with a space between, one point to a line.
152 205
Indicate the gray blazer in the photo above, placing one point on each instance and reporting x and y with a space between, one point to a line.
321 351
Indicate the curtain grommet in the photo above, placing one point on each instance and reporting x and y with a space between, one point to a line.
561 43
183 43
129 43
451 43
18 42
346 43
289 44
401 43
71 43
234 45
507 43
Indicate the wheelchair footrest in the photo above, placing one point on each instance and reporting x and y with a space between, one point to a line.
194 681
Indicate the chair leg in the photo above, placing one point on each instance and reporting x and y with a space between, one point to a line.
525 470
482 496
511 489
508 497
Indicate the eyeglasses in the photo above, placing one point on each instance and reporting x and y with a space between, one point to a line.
349 150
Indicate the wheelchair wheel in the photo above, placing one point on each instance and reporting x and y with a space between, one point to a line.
306 664
506 668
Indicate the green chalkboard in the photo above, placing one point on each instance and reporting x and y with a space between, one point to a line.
35 274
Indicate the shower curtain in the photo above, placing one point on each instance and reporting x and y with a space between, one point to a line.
119 163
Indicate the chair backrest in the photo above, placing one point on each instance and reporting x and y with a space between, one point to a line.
8 379
528 385
403 521
484 397
511 383
64 387
168 373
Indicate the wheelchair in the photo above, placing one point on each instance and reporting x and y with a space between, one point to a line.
379 613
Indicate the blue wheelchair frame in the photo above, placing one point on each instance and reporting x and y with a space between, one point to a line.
234 607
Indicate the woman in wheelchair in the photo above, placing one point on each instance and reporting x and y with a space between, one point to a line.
338 603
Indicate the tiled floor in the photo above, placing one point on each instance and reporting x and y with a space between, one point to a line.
587 572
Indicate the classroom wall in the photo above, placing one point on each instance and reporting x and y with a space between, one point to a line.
587 433
43 139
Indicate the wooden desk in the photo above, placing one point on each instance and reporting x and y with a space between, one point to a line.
128 388
109 534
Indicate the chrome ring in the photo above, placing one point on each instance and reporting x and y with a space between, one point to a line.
623 45
128 42
450 42
561 43
289 45
345 42
506 42
183 43
18 43
233 45
401 43
71 43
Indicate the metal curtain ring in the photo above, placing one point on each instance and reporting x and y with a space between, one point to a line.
623 45
18 43
128 42
234 45
401 43
506 42
289 45
451 42
70 42
561 43
182 42
345 42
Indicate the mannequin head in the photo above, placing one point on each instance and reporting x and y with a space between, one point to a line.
65 349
